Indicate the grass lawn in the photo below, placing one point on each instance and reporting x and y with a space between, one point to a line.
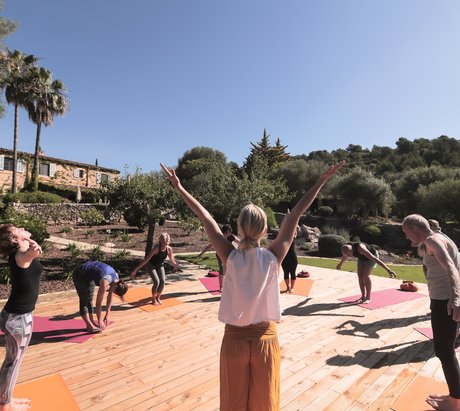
404 272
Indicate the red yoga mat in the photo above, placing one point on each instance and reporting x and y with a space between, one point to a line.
384 298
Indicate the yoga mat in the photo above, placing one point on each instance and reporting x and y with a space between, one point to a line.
211 284
413 398
141 297
384 298
48 330
428 333
48 393
302 286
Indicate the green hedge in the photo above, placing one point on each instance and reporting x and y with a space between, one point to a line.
329 245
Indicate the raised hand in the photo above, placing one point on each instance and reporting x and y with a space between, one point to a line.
332 170
171 174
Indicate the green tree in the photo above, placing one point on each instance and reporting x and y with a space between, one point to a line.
6 28
143 198
48 100
440 200
17 82
196 161
362 194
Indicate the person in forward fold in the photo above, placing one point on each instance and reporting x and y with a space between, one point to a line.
227 233
367 257
250 304
16 318
441 259
155 262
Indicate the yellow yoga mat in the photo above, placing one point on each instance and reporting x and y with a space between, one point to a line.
302 286
48 393
142 297
413 398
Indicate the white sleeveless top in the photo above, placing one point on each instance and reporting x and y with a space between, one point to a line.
251 292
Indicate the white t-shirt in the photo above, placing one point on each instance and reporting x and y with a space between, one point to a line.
251 292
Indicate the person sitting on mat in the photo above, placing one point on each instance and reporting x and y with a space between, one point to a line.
16 318
155 262
368 257
250 304
85 279
227 233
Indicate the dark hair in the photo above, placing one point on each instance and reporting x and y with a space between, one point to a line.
121 288
226 228
8 243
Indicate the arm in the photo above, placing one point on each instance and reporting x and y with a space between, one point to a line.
218 242
343 259
282 242
441 253
154 251
103 286
362 249
108 306
25 258
171 257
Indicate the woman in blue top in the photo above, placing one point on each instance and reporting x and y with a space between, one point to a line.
85 279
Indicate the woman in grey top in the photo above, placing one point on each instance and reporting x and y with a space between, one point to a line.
441 262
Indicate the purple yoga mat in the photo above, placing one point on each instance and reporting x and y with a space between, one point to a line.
211 284
47 330
384 298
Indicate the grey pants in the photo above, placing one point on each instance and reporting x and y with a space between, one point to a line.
18 332
85 290
158 276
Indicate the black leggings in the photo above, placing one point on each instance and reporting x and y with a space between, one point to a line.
444 334
289 269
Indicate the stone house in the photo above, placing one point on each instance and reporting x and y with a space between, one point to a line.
55 171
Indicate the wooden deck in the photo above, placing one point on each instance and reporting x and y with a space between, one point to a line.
335 356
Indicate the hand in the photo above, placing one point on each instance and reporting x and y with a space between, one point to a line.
133 274
33 245
339 266
102 325
175 268
391 274
454 311
332 170
171 174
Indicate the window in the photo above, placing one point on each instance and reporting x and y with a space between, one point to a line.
44 169
47 169
78 173
104 178
6 163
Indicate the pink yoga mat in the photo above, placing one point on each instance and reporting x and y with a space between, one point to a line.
211 284
428 333
47 330
384 298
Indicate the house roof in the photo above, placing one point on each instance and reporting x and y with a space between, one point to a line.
60 160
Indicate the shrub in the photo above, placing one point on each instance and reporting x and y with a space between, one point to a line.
54 212
33 197
92 217
325 211
135 217
369 233
161 220
271 219
66 230
96 254
5 275
126 238
74 250
338 230
121 255
189 224
329 245
32 224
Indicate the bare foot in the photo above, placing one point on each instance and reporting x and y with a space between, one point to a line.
366 301
159 301
91 330
444 402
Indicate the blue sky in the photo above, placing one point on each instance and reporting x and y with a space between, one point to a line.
150 79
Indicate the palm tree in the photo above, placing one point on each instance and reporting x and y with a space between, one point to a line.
49 100
17 83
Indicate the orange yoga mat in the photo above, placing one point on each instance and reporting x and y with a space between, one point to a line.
48 393
142 297
413 398
302 286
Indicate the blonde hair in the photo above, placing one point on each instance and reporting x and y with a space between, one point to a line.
252 223
434 225
416 220
165 237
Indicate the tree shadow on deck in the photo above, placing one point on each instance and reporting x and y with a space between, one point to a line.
302 309
370 330
374 358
